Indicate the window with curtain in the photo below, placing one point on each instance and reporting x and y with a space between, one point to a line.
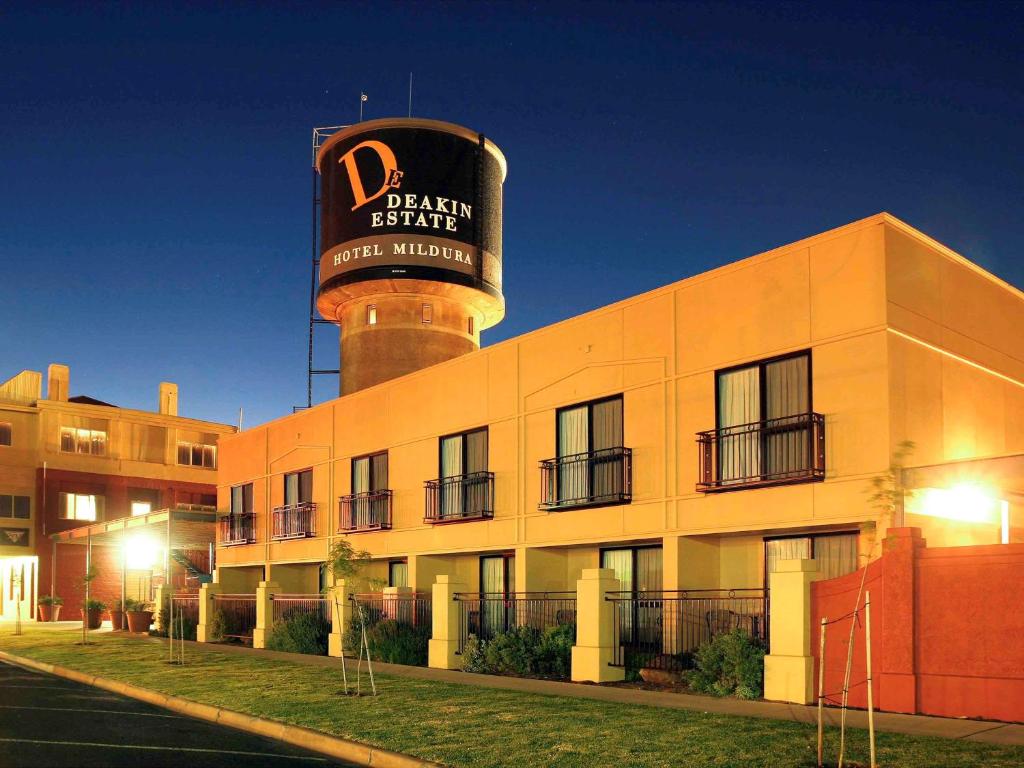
587 469
369 475
241 499
497 579
760 435
298 487
638 569
398 573
462 456
5 433
80 506
835 553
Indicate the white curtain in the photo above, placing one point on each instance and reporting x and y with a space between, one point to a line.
608 476
451 496
361 484
573 439
836 555
492 582
739 404
784 549
787 396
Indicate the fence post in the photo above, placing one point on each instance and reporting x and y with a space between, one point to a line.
593 653
206 608
444 641
789 669
341 613
264 612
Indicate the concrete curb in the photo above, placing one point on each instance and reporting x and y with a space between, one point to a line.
296 735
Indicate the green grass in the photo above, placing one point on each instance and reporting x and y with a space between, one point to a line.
461 725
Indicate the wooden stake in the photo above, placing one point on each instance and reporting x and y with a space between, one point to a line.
821 691
871 695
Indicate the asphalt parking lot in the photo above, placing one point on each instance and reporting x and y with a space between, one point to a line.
48 721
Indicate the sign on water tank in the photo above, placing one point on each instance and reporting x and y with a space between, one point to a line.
410 198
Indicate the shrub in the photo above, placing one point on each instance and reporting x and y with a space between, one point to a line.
299 632
94 605
217 627
522 651
729 665
51 600
391 641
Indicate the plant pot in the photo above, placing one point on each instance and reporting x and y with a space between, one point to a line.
139 621
117 620
49 612
93 618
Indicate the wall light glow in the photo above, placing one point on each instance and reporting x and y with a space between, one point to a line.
967 503
141 553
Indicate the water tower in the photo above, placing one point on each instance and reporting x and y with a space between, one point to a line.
410 244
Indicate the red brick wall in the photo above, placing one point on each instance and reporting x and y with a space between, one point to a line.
70 570
947 629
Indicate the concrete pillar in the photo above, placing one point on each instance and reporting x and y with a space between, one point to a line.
542 570
206 609
690 562
341 615
592 655
424 570
897 674
264 612
444 644
162 600
167 400
789 669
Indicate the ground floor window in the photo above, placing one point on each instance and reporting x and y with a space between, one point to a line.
835 553
398 573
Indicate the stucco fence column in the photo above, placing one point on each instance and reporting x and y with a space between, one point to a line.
161 597
341 615
442 651
593 652
206 609
789 669
264 612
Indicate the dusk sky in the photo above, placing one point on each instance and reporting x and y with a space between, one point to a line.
155 201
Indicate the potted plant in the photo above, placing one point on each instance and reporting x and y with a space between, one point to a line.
92 613
49 607
117 612
140 617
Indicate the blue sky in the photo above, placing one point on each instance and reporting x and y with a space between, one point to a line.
154 210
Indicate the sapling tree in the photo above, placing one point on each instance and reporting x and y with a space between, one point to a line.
346 562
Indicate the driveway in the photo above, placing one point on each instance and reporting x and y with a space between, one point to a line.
48 721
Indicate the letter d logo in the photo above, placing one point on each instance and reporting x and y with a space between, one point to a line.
392 176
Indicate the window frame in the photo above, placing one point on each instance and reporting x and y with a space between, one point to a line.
99 507
298 473
14 506
231 499
589 405
192 446
369 457
6 428
486 429
391 577
89 440
762 399
812 535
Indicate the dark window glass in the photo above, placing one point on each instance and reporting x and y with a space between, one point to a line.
298 487
21 507
5 434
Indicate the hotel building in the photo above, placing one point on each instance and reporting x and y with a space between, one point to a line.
687 438
70 467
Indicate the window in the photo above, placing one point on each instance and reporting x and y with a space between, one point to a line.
638 569
427 313
197 455
143 500
497 577
298 487
470 326
140 508
835 553
81 506
463 456
91 441
370 473
371 314
758 434
241 499
5 433
16 507
398 573
588 468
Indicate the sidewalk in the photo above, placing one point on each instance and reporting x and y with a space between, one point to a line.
913 725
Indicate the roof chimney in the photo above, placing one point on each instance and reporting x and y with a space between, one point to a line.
57 379
168 398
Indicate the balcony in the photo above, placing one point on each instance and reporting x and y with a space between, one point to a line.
780 451
592 479
236 529
460 498
370 511
294 521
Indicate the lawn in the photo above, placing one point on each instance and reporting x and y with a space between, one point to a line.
460 725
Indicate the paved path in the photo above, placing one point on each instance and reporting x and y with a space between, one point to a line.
49 721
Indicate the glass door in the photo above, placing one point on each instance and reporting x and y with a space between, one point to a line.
497 588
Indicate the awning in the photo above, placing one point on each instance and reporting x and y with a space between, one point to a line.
191 527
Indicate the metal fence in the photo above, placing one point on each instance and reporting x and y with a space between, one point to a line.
463 497
763 452
239 613
186 606
287 606
239 528
485 614
660 629
597 477
412 608
294 521
368 511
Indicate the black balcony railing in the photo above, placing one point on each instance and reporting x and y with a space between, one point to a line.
463 497
589 479
370 511
768 452
237 529
295 521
